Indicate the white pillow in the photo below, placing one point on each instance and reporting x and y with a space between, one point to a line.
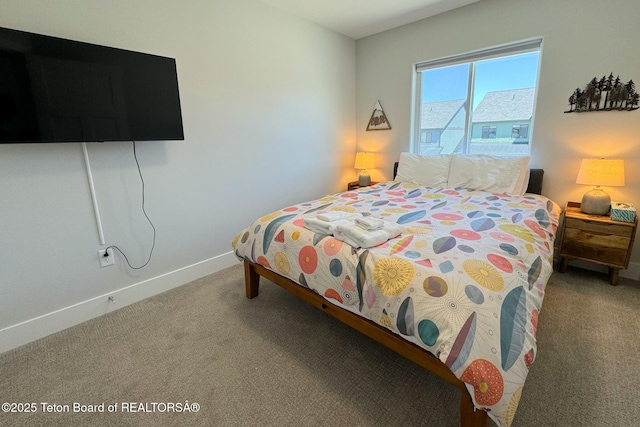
504 175
525 181
430 171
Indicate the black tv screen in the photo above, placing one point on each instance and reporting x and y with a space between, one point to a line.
58 90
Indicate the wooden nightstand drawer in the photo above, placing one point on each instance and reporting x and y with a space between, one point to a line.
599 227
601 254
596 239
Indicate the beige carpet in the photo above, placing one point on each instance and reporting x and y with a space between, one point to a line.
275 360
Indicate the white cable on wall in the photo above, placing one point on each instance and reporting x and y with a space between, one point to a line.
96 209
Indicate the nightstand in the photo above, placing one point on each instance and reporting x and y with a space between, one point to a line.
596 238
354 185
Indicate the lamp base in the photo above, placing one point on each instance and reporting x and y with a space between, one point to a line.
364 179
595 202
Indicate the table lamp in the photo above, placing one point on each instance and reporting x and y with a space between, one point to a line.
607 172
364 161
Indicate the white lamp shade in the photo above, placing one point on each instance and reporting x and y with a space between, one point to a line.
606 172
364 161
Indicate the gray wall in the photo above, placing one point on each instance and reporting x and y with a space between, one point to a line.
582 39
268 103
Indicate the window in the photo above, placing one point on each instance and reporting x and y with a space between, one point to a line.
488 132
480 102
429 137
520 132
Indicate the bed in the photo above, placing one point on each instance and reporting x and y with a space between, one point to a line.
458 292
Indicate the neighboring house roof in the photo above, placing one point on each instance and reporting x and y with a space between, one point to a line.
505 106
437 115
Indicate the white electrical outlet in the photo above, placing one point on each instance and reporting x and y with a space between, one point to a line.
106 260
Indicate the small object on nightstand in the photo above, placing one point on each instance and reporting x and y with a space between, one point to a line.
624 212
353 185
596 238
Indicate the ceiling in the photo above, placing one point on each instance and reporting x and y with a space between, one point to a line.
361 18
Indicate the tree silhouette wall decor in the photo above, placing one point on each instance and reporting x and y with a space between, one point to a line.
606 94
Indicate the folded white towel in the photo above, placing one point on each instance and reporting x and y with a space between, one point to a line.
346 239
324 227
335 216
369 223
358 237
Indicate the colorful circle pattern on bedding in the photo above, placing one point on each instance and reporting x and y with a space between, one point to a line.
465 280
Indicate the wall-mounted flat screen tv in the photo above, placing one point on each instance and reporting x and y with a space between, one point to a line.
58 90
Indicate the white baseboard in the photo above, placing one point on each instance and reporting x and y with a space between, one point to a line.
47 324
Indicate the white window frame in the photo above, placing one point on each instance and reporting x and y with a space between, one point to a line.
518 47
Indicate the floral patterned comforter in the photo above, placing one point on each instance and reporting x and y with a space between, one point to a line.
465 279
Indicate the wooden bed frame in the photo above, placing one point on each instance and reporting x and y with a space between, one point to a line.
469 416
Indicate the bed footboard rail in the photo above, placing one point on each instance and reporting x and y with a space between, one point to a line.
469 416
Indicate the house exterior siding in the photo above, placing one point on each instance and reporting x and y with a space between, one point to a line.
503 133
